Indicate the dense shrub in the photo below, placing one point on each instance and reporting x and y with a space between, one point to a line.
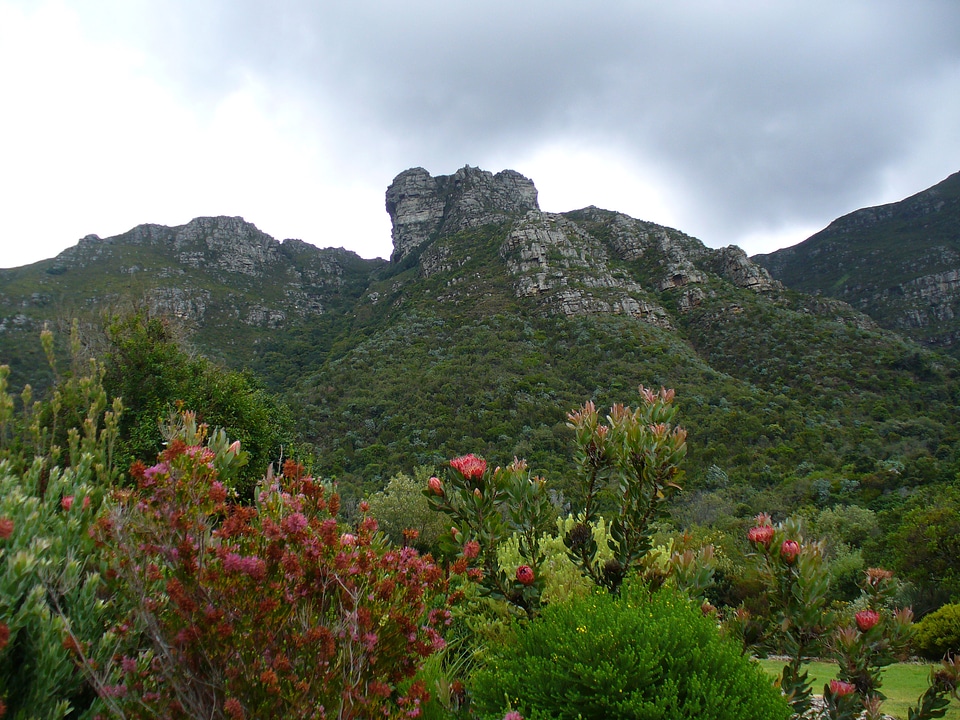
637 655
272 610
939 633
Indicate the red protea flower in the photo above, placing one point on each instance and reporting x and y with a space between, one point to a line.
470 466
525 575
435 486
866 619
66 502
471 549
761 535
789 551
839 688
6 528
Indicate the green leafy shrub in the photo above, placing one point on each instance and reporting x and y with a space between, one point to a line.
939 632
637 655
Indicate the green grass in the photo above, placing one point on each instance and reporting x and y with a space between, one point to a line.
903 684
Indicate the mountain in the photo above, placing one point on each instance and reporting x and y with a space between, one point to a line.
899 263
493 319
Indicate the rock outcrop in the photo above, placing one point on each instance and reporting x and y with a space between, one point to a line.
423 207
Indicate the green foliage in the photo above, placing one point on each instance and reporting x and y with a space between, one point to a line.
155 377
938 633
51 600
924 543
401 506
637 655
635 456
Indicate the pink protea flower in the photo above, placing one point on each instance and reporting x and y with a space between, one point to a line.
435 486
866 619
348 539
761 535
513 715
839 688
66 502
789 551
525 575
470 466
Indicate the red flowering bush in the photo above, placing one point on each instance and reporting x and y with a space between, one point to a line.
795 584
488 507
264 611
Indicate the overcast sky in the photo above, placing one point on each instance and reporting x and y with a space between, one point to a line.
752 122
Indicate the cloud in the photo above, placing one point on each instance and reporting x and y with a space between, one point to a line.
744 122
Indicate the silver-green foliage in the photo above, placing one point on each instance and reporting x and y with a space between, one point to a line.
49 587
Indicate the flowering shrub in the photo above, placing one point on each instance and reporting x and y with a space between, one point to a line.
55 458
637 452
795 581
49 590
628 656
265 611
487 508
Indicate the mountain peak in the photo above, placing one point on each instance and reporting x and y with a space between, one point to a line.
422 206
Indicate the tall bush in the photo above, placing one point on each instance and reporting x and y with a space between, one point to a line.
272 610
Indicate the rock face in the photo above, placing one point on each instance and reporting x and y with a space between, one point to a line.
585 262
899 263
422 207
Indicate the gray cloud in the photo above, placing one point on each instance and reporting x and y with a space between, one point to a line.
759 115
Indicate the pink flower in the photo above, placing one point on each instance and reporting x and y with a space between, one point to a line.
839 688
67 502
294 523
364 506
471 549
761 535
513 715
348 539
436 487
789 551
866 619
470 466
525 575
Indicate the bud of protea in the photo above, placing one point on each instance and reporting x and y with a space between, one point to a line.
839 688
525 575
789 551
435 486
761 535
579 536
866 619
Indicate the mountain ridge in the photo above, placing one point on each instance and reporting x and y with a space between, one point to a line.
495 318
898 262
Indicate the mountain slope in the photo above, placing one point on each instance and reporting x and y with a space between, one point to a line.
494 319
899 263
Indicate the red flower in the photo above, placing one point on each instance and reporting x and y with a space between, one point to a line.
839 688
471 549
866 619
435 486
67 502
761 535
6 528
525 575
470 466
789 551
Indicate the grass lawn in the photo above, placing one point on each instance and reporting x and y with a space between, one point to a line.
902 684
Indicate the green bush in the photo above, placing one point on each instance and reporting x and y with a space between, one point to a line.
639 655
939 633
